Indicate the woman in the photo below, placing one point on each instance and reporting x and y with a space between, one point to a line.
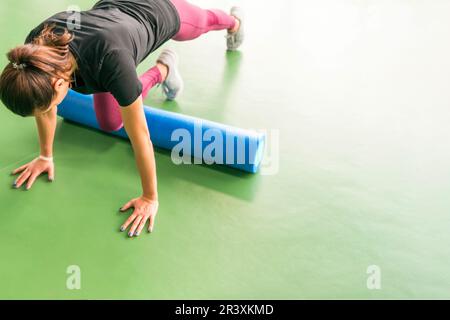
100 56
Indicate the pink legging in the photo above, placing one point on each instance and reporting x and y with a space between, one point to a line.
194 21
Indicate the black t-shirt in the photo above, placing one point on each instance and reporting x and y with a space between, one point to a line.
112 39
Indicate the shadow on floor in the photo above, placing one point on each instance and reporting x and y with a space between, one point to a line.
75 134
235 183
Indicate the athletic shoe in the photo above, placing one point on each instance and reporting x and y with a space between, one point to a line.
173 85
235 39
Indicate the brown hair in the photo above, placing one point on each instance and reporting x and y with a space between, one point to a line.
26 82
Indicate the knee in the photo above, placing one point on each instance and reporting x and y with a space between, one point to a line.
107 112
110 126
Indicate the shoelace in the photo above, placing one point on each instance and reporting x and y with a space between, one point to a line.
231 36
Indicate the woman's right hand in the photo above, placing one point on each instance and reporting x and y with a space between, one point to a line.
31 170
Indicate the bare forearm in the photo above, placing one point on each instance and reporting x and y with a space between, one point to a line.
46 125
136 127
145 161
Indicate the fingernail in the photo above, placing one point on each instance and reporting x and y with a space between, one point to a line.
121 209
130 234
136 234
122 229
150 230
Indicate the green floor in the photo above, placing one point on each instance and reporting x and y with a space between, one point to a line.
359 91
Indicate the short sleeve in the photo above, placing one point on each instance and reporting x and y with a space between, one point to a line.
118 76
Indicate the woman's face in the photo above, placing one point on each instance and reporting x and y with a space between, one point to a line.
61 88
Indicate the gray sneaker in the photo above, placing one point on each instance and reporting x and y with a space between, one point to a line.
173 85
234 40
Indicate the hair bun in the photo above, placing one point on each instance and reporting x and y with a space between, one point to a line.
21 56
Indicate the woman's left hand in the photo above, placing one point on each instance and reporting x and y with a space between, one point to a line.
144 209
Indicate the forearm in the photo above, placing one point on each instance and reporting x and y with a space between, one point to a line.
145 161
136 127
46 125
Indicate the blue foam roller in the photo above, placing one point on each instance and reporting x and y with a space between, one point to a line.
189 137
